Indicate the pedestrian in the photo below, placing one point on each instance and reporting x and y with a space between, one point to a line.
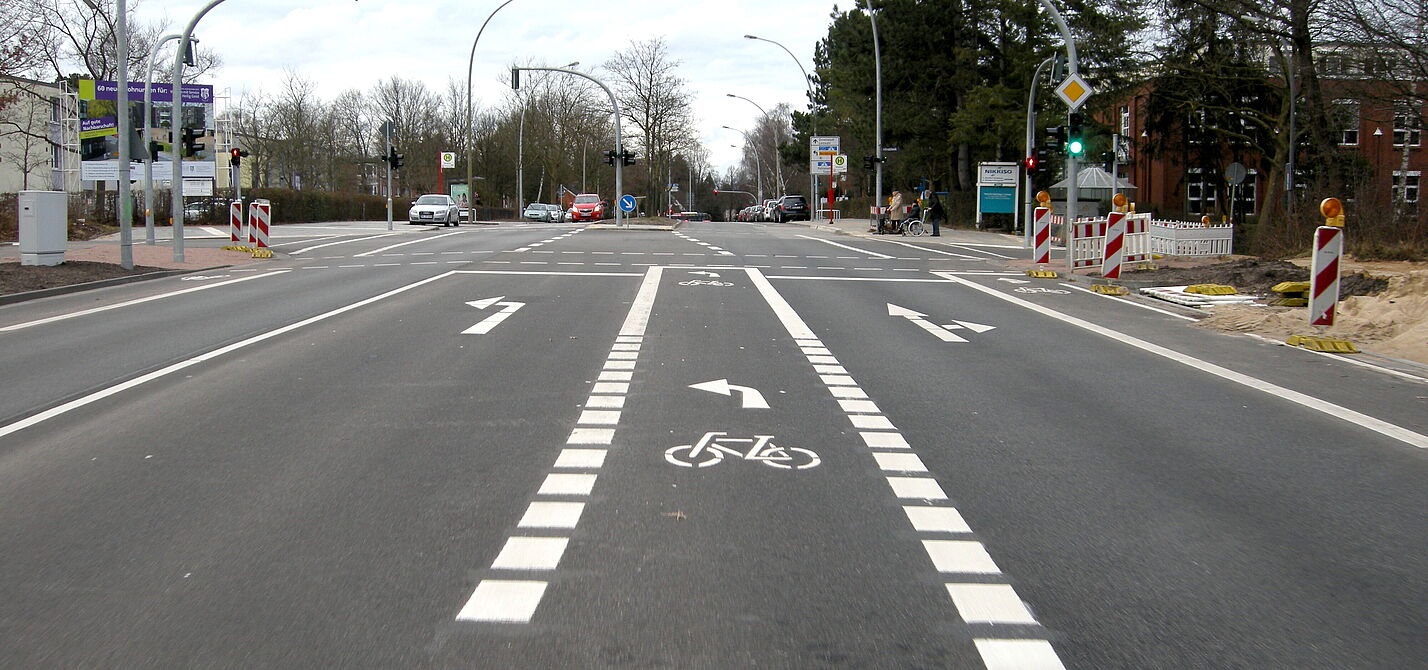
895 211
935 212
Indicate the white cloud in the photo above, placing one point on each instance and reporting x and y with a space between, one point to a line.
345 44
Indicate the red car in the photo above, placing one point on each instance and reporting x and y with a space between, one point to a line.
587 207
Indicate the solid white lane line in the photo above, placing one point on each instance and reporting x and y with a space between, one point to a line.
552 515
916 488
981 251
530 553
898 462
1362 420
968 556
874 254
330 244
989 603
157 374
559 484
605 401
1132 303
876 440
591 436
936 519
1018 655
136 301
403 244
934 251
581 459
503 601
1342 359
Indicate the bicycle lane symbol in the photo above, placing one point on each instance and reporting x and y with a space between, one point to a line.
711 449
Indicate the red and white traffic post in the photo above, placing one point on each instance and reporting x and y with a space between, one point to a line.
1041 229
235 221
1324 270
1114 253
259 217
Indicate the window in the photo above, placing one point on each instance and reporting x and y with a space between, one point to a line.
1200 195
1407 124
1125 121
1346 119
1405 185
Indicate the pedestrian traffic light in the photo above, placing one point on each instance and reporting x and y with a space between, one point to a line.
191 145
1075 140
1057 137
235 156
397 159
1031 164
628 157
1043 159
609 157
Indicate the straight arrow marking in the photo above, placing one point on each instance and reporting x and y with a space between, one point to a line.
489 323
749 397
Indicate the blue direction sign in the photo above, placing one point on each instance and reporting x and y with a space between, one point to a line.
627 203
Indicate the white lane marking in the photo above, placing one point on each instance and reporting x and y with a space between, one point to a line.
501 600
876 440
530 553
624 355
591 436
858 406
1343 359
581 459
847 392
830 370
874 254
969 247
625 347
605 401
558 484
485 326
214 231
315 239
403 244
898 462
546 273
1127 302
967 556
749 397
790 319
639 317
916 488
329 244
619 365
605 387
1362 420
934 251
1018 655
989 603
870 422
917 318
816 351
936 519
615 375
597 417
552 515
895 280
136 301
837 380
157 374
823 360
629 339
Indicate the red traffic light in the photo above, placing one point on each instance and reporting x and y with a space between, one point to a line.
1030 164
716 191
236 152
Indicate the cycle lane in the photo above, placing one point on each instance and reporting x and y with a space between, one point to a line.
759 556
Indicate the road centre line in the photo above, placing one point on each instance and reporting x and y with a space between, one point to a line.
403 244
221 351
329 244
1362 420
127 303
874 254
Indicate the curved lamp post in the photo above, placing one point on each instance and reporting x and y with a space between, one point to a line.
758 167
619 141
148 130
812 118
778 164
470 140
176 125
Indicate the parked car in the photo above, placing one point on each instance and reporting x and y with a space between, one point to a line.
435 208
588 207
539 211
791 208
766 212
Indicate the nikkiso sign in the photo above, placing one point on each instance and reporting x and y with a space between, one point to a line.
997 174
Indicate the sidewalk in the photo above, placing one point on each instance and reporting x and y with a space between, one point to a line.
859 228
155 256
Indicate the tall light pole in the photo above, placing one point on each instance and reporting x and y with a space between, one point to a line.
176 125
148 131
812 118
878 114
619 139
126 211
758 167
521 158
778 164
470 139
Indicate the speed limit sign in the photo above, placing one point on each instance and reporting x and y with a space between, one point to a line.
448 159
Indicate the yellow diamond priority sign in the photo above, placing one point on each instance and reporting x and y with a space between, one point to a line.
1074 90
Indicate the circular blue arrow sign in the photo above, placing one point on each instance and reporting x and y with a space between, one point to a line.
627 203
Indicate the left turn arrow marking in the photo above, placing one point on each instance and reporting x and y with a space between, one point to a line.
490 322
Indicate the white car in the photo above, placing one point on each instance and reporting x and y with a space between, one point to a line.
435 208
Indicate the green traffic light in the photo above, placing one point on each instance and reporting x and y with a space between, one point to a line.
1075 147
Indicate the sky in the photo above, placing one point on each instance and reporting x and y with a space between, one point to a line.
347 44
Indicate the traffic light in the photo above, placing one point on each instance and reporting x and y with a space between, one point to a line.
1043 159
628 157
236 156
1031 164
609 158
191 145
1075 140
154 147
515 79
1057 137
397 159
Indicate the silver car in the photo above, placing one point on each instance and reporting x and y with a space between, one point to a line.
435 208
542 212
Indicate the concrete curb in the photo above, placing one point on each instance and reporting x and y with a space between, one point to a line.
103 283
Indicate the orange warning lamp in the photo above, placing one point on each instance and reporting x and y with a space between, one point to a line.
1333 212
1120 201
1043 197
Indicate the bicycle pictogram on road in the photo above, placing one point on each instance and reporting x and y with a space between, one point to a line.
715 445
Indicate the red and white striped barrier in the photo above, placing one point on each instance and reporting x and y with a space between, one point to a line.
1041 235
1089 238
259 217
1324 275
235 221
1115 250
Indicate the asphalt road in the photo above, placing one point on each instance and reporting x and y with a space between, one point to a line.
728 446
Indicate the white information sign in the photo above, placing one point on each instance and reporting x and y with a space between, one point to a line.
197 187
997 174
840 163
825 146
448 160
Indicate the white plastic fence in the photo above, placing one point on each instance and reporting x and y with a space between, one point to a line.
1183 238
1144 237
1088 242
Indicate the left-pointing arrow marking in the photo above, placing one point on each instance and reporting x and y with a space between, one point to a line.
490 322
916 317
749 397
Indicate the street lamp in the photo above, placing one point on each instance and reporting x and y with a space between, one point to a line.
878 113
619 141
759 169
175 125
812 118
471 141
148 132
778 164
521 158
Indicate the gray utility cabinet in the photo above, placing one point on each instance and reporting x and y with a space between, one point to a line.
44 227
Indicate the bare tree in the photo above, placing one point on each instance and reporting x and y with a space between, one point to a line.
656 101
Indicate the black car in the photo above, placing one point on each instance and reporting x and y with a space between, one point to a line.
791 208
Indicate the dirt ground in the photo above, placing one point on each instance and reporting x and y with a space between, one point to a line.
1383 305
88 262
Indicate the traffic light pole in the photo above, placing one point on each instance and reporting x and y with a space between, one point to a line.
1073 167
126 206
1031 146
148 137
878 118
176 125
390 153
619 141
